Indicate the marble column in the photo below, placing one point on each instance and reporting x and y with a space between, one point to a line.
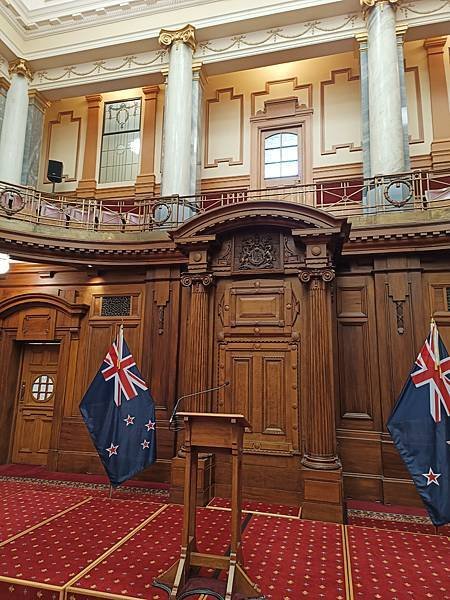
33 137
88 182
176 173
400 31
4 87
440 112
364 83
320 445
196 375
198 84
385 112
145 181
12 139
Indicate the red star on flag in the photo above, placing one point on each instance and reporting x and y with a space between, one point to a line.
129 420
145 444
112 449
150 425
431 477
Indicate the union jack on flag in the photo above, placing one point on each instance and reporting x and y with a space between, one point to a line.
420 427
118 367
432 371
123 433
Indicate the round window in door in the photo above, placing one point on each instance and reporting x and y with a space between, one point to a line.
42 388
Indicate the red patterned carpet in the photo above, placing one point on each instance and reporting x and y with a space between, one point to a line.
66 541
258 507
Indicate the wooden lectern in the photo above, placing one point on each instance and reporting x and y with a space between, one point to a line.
216 433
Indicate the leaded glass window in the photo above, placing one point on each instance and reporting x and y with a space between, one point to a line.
121 142
281 155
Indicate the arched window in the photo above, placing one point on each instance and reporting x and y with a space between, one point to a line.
281 158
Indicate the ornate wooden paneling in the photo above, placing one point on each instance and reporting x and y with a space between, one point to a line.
357 353
263 378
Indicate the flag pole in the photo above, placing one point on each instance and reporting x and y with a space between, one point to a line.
110 491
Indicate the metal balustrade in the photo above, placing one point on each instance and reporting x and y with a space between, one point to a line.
417 190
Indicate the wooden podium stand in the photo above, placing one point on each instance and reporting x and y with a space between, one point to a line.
217 433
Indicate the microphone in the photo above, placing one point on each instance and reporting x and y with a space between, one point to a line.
213 389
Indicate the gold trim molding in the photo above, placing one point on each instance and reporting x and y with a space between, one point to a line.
366 4
21 67
186 35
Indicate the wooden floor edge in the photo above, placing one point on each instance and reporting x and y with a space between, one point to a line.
34 584
347 565
45 521
113 548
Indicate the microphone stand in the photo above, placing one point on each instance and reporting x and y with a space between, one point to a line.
177 403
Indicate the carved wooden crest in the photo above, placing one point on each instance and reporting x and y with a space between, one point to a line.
257 251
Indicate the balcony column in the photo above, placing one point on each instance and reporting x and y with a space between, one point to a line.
12 139
385 110
88 182
4 87
33 137
440 112
198 85
176 172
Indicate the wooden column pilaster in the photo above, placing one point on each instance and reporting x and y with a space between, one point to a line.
320 450
145 181
323 496
88 182
197 346
440 112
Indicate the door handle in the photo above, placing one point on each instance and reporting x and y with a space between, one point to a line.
22 392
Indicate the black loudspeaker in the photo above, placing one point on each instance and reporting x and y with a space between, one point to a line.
54 171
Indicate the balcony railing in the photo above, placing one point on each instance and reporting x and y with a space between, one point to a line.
418 190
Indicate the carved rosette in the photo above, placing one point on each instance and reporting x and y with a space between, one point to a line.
21 67
326 275
185 35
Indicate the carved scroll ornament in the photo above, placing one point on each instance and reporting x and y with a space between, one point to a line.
306 275
366 4
186 35
189 280
21 67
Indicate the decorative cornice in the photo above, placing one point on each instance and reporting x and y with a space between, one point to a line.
330 29
21 67
186 35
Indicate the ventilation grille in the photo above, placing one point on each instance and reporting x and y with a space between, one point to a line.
116 306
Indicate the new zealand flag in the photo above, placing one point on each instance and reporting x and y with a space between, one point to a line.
420 426
120 414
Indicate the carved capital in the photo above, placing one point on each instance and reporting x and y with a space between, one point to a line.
21 67
196 281
368 4
185 35
306 275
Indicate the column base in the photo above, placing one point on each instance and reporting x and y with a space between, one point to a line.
323 495
86 188
325 463
440 154
205 481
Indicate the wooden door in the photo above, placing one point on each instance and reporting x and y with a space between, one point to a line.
35 404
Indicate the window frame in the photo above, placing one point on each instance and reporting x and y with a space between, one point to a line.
278 116
105 104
